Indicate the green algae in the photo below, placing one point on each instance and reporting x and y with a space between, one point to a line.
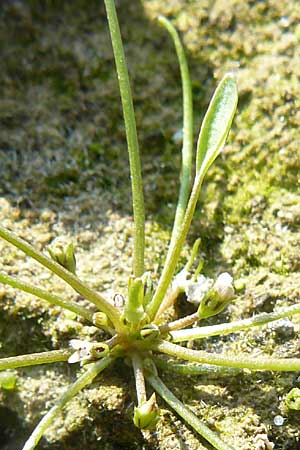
64 172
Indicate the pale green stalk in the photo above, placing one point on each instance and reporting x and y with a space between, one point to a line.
187 146
186 413
239 361
193 255
232 327
51 298
218 120
194 369
173 256
79 384
101 303
179 323
34 359
137 364
132 140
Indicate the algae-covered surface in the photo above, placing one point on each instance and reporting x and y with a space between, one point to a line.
64 173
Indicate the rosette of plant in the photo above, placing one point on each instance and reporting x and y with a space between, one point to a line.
139 331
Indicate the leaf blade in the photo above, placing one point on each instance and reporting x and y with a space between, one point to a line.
216 123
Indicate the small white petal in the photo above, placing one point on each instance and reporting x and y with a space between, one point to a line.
74 358
77 344
180 280
224 287
196 291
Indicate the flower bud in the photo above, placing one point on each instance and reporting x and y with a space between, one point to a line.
292 399
99 350
87 351
224 286
146 415
218 297
134 311
100 320
63 255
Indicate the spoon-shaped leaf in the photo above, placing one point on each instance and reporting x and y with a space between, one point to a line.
216 123
214 130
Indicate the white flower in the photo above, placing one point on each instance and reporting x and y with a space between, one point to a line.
196 290
87 351
83 351
224 286
218 297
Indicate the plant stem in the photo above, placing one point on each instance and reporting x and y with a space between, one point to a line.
168 300
174 254
186 171
34 359
187 147
194 369
239 361
67 276
232 327
137 364
213 133
51 298
79 384
132 140
180 323
186 413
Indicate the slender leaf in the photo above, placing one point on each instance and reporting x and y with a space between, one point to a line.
213 133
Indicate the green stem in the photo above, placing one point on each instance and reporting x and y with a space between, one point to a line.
194 369
51 298
212 136
239 361
67 276
174 254
186 413
239 325
180 323
79 384
34 359
132 140
168 300
137 364
187 147
186 173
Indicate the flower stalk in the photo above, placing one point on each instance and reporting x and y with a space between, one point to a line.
35 359
187 145
193 369
132 140
240 361
233 327
146 414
